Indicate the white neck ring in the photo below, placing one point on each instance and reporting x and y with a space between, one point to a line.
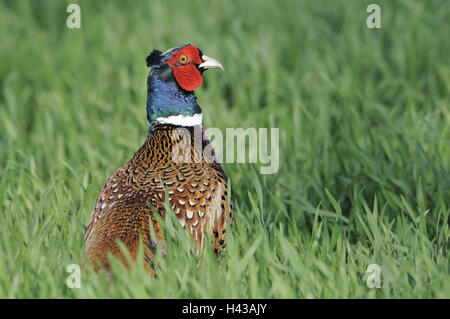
181 120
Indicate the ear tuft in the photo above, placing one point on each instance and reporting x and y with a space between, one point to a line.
154 58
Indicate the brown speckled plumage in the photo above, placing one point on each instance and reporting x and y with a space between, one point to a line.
198 193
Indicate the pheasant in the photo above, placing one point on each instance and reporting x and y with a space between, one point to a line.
173 160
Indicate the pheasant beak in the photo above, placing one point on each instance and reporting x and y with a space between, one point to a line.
210 63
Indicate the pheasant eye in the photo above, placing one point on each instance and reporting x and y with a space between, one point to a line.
183 59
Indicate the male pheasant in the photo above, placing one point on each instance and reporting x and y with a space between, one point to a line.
174 158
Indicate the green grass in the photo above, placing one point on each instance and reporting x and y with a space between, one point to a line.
364 122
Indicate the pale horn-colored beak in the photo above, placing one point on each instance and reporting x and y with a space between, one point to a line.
210 63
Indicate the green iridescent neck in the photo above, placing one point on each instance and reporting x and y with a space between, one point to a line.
166 99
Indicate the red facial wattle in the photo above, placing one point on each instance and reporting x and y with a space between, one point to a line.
187 75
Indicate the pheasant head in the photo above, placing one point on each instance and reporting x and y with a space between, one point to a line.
174 76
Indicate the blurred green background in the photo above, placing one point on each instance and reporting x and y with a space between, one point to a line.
364 143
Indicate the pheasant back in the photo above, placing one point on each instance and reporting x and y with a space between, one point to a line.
197 190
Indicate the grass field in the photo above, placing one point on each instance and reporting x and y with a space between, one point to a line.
364 123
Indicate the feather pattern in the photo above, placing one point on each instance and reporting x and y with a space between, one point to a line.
197 191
